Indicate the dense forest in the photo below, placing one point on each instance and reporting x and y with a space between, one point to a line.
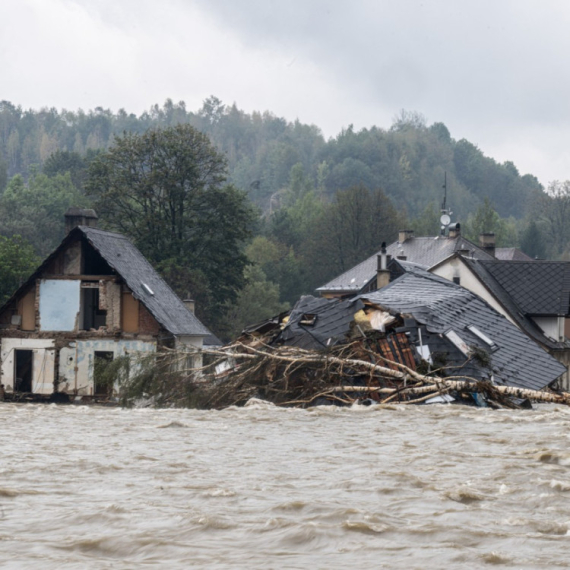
320 205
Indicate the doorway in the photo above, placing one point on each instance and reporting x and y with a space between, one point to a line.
23 369
103 381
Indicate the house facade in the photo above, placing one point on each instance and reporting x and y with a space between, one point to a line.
424 251
94 299
533 295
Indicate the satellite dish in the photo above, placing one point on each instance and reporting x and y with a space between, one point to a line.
445 220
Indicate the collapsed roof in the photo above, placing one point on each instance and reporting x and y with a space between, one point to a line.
465 320
439 318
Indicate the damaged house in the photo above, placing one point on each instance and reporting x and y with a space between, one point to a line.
424 320
533 295
95 298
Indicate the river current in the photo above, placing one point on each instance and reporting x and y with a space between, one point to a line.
437 486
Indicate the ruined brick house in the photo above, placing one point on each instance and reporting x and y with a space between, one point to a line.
94 298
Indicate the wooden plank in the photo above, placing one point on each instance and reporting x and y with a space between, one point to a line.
129 313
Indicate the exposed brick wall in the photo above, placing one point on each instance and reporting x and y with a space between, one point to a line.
147 323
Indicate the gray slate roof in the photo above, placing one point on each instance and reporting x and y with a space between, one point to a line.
520 313
426 251
333 320
511 254
164 305
536 287
441 305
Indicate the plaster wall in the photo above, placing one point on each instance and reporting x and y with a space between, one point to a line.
563 356
59 304
183 342
550 326
43 366
76 361
455 268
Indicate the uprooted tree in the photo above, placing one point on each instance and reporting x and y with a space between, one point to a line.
290 376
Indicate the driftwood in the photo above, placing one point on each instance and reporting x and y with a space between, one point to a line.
346 374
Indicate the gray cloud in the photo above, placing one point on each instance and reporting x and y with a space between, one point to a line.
493 72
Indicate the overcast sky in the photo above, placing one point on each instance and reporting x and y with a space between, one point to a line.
494 71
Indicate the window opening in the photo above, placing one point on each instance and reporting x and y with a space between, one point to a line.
93 316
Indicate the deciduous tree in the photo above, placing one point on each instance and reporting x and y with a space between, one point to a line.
166 190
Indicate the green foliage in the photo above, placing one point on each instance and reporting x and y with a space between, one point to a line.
111 372
61 162
427 223
350 229
554 211
486 220
257 301
17 262
161 380
35 210
166 190
532 241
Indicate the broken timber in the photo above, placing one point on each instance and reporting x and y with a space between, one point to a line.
291 376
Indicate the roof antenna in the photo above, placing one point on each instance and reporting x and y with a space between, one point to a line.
445 212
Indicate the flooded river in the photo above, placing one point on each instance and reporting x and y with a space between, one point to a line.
260 487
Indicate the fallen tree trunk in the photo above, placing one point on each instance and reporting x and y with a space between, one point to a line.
290 376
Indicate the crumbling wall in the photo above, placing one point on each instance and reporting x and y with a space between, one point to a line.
43 367
147 323
77 359
110 301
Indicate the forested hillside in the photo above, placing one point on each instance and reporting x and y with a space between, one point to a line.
323 205
406 160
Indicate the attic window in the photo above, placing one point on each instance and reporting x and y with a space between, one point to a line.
457 341
457 280
308 319
481 335
148 289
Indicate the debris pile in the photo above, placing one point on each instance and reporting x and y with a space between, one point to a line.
421 339
370 350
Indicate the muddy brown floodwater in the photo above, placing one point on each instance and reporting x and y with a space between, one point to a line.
261 487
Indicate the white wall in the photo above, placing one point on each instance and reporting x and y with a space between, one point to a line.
81 354
456 268
550 326
183 342
43 366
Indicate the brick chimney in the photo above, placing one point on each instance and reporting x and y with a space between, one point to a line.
190 305
382 272
404 235
80 217
487 243
454 230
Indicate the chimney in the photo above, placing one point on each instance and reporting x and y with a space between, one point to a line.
487 243
404 235
454 230
80 217
189 304
382 272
